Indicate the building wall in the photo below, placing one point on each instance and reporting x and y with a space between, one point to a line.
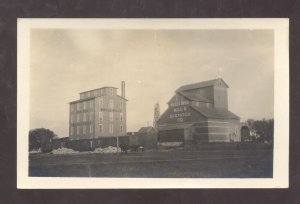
80 119
84 118
218 130
220 97
235 130
202 104
118 108
179 115
206 92
178 100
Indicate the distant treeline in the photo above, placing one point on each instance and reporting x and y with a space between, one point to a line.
39 136
261 130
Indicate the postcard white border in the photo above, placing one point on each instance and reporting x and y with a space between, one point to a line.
281 104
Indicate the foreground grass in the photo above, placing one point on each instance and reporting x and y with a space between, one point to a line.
247 163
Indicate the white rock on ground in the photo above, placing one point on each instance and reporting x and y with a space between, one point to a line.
35 151
64 151
171 144
109 149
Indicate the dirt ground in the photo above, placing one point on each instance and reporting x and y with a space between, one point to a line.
182 163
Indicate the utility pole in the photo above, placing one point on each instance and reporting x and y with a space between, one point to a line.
117 144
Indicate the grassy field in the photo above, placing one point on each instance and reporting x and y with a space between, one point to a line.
177 163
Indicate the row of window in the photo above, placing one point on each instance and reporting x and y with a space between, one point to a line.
111 128
82 106
89 129
90 117
201 104
90 104
111 116
111 104
86 129
85 117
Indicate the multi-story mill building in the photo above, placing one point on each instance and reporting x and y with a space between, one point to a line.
98 113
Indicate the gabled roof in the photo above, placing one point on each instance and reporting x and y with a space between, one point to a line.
145 129
85 99
221 113
93 97
201 84
98 89
121 97
194 97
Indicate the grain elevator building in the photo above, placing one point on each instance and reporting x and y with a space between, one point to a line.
199 113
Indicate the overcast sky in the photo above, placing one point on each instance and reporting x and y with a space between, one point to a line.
153 63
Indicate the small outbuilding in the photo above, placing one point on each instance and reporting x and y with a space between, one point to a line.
148 137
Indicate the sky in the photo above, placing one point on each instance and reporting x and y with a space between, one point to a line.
153 63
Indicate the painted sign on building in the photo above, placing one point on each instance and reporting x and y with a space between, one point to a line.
179 111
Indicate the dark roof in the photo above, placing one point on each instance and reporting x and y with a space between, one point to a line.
93 97
85 99
145 129
194 97
61 138
222 113
201 84
121 97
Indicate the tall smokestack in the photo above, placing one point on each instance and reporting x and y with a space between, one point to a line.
123 89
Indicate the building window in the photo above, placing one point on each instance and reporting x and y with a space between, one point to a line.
121 116
111 116
91 116
101 103
111 128
101 116
72 107
84 129
121 128
121 105
101 92
78 130
78 106
78 117
88 94
91 104
100 128
72 130
84 117
84 105
91 129
111 104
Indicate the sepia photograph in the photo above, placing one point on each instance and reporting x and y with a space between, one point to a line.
153 103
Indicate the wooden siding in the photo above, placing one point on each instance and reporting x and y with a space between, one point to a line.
171 135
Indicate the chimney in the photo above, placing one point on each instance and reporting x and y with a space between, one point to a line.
123 89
